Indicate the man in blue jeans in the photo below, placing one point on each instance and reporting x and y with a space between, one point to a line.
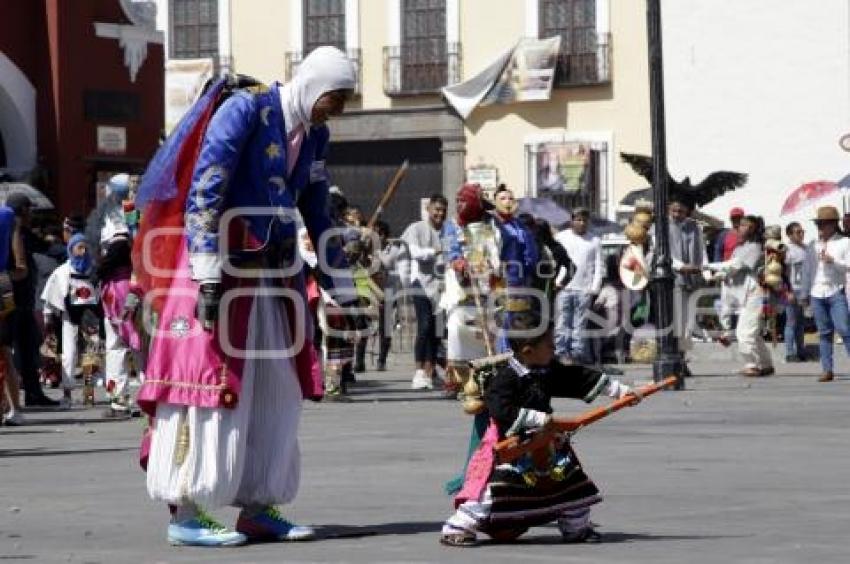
830 254
574 300
798 259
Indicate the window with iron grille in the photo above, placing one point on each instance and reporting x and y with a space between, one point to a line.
424 58
575 22
193 31
324 24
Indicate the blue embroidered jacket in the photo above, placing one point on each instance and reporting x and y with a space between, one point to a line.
242 163
519 253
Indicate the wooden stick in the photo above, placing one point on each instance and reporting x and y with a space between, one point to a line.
388 193
511 448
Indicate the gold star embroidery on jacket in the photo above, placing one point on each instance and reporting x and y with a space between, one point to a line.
273 150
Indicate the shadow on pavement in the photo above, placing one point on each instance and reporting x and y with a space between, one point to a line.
71 421
26 452
329 532
21 430
402 528
610 538
364 398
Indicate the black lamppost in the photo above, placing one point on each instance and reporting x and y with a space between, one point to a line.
668 360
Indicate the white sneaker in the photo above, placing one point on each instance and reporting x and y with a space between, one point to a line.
15 419
421 381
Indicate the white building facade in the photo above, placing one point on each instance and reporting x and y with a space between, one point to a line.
762 87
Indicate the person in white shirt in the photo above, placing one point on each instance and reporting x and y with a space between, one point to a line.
576 297
741 273
425 243
830 253
800 267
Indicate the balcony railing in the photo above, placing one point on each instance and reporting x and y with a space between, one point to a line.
583 67
293 58
410 70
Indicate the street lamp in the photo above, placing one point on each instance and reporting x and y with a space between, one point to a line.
668 359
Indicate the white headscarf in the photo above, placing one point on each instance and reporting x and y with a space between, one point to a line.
325 69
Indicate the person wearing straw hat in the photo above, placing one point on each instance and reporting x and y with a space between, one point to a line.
830 253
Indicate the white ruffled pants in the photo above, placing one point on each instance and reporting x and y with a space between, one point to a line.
245 456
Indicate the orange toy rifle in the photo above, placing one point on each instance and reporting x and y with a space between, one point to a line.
511 448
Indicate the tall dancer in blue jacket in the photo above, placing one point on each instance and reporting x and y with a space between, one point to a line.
227 369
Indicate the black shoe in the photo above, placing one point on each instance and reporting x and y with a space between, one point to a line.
382 367
360 367
40 400
793 358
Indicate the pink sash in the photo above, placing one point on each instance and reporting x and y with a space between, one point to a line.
479 468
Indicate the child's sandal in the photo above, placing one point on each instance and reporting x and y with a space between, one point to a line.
458 539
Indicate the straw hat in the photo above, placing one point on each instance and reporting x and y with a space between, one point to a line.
827 213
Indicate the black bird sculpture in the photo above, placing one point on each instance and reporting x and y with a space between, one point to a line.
713 186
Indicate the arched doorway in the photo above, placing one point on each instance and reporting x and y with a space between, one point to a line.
17 119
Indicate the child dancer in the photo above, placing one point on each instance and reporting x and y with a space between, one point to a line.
504 500
69 296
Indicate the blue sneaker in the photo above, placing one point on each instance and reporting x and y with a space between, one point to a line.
203 530
269 524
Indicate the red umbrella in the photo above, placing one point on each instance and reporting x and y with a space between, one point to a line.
808 193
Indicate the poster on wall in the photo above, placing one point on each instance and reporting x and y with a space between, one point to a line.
184 80
562 166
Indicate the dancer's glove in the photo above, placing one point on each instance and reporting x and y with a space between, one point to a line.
209 297
618 390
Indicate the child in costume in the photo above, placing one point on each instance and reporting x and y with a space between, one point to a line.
109 228
338 336
71 300
504 500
